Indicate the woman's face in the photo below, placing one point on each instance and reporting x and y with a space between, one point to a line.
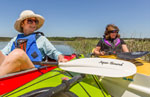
113 34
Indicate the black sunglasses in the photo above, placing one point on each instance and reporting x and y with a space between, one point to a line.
113 31
30 21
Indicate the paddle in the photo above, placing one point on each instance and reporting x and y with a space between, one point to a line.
131 55
96 66
128 55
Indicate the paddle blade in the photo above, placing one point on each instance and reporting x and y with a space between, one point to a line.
100 66
131 55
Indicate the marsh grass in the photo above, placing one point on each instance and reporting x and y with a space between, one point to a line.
139 45
85 46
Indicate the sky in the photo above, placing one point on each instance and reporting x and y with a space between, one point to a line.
80 18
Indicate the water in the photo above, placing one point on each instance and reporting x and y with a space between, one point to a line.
60 46
63 48
2 44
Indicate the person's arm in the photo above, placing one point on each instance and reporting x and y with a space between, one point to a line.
48 49
98 52
7 49
124 46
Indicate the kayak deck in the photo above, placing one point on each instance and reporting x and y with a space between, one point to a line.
143 67
36 80
54 78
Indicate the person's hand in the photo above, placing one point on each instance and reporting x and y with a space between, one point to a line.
102 53
61 59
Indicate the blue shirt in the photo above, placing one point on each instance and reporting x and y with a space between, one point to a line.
43 44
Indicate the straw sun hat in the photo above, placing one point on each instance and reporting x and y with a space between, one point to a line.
28 14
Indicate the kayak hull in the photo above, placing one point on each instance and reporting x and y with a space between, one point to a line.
20 79
53 79
119 87
36 81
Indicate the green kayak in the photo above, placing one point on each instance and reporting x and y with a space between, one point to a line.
51 82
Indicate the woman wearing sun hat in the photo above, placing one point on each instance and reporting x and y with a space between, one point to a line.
111 42
27 46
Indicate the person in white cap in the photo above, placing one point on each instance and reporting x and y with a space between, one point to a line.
28 46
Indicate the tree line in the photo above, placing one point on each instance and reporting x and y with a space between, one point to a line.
73 38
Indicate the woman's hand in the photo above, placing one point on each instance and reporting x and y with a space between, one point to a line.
101 53
97 51
61 59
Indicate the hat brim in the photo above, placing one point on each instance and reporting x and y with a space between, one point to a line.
17 24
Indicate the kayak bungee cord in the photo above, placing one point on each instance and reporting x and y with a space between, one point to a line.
98 84
64 86
79 84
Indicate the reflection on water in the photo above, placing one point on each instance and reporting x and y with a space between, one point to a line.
60 46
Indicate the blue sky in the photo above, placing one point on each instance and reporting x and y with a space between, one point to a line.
85 18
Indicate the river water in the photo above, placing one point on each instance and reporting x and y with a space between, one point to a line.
59 45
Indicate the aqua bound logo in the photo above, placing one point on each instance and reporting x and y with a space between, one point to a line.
111 63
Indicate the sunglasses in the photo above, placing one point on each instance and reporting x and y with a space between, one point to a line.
30 21
113 31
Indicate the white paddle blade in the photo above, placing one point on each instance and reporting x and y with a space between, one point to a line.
100 66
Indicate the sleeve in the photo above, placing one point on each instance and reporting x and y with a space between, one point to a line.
7 49
99 43
47 47
122 41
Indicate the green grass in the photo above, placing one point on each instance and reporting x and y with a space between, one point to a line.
5 38
85 46
139 45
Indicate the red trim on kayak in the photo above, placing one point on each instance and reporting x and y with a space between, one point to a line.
8 84
12 82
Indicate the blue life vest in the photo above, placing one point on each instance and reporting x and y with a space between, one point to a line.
28 44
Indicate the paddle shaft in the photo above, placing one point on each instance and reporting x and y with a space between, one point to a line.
44 63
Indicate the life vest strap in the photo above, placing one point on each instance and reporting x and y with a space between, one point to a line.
21 43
